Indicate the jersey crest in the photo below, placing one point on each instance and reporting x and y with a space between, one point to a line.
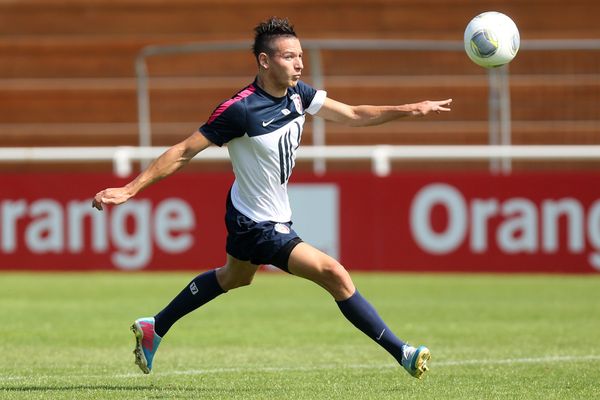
297 103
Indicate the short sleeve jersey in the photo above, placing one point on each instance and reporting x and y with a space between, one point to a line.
262 133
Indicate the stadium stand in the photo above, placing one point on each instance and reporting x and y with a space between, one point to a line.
67 76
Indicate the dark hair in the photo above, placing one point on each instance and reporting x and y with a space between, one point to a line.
266 31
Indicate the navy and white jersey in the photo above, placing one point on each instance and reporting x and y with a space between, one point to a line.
262 133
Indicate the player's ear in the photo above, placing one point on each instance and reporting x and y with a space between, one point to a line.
263 60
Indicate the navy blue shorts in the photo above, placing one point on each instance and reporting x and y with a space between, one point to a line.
259 242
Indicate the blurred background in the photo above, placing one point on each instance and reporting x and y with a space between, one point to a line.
89 88
69 79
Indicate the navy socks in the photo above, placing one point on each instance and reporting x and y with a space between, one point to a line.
205 287
363 316
201 290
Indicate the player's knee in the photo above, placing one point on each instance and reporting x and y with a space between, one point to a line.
337 280
333 272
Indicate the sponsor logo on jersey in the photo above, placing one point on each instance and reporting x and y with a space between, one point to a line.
193 288
285 111
267 123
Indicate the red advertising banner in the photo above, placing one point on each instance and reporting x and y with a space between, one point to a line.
48 223
472 222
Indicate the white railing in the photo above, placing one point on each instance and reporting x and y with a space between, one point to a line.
381 156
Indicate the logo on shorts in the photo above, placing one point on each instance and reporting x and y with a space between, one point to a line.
282 228
193 288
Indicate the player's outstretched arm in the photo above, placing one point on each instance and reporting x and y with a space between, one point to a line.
169 162
365 115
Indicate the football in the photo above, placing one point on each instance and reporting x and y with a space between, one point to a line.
492 39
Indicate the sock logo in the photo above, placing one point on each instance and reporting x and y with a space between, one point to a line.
193 288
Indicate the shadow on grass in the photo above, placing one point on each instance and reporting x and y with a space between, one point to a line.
125 388
42 388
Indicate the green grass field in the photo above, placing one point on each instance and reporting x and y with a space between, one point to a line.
66 336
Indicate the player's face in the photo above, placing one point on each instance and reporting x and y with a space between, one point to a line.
285 64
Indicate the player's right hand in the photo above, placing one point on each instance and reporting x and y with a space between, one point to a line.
110 196
425 107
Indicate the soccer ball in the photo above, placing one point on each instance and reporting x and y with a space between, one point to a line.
492 39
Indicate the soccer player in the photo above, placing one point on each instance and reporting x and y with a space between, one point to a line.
262 126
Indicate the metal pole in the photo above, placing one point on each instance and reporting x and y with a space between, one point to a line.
494 115
143 101
318 124
505 118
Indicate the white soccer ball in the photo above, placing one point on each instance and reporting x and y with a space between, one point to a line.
492 39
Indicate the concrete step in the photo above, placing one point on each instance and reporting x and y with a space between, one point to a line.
379 18
397 133
186 99
79 56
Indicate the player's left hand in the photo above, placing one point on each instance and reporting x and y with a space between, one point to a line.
427 106
112 196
